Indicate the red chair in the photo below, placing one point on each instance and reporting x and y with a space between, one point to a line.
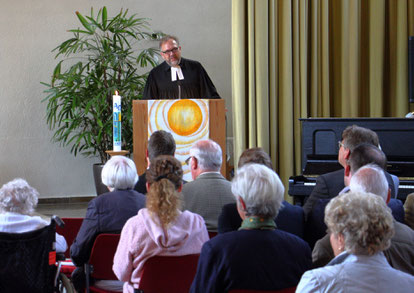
172 274
69 231
212 234
101 261
286 290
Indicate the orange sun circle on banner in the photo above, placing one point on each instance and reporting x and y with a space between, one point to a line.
185 117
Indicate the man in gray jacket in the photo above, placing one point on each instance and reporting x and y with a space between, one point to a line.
209 191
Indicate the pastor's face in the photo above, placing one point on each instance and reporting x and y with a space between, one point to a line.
171 52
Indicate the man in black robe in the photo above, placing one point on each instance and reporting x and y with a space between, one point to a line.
178 78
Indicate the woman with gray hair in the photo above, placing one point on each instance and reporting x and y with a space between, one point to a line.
361 227
18 201
258 256
107 213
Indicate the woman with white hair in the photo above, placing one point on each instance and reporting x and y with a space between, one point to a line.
18 201
107 213
361 227
258 256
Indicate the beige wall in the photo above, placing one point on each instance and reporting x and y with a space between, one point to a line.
31 29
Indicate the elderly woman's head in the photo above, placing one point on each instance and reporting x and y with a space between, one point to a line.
360 223
258 190
18 196
164 182
119 173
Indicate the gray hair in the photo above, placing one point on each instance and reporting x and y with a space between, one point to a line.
363 219
166 38
260 188
119 173
18 196
208 154
370 178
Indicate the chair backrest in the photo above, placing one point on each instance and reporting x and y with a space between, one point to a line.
172 274
286 290
102 256
71 229
28 261
212 234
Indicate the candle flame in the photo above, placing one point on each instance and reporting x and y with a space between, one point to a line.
116 93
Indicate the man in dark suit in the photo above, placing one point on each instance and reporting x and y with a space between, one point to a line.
290 218
329 185
209 191
160 143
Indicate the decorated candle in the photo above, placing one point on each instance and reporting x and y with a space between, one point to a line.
116 106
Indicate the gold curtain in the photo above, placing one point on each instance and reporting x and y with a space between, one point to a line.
295 59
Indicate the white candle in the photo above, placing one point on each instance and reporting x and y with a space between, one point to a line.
116 106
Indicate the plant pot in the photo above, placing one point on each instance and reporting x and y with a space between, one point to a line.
99 186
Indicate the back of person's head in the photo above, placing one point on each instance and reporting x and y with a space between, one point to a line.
119 173
208 154
167 38
165 177
354 135
260 188
363 219
370 178
365 154
255 155
17 196
161 143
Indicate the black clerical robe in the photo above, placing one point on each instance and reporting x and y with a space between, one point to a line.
195 85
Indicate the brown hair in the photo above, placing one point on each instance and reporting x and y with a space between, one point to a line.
354 135
161 143
255 155
165 177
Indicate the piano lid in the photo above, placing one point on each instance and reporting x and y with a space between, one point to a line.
320 138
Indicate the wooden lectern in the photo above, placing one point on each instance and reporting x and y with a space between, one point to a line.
217 130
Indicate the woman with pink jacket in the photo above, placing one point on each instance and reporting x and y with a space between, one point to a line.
160 228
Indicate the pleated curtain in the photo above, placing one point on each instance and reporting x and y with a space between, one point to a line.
296 59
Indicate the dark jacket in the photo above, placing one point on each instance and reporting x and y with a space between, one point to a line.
251 259
106 213
329 185
290 219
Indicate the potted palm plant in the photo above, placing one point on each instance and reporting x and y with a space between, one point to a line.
103 55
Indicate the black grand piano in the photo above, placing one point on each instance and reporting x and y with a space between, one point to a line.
320 138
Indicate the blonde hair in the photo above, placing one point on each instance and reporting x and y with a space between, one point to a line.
363 219
163 199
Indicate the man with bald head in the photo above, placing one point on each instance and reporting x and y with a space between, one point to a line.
400 255
209 191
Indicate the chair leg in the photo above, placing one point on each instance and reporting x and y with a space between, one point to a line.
87 274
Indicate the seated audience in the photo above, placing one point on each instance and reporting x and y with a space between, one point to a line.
160 143
209 191
361 227
330 184
400 254
107 213
258 256
409 210
18 201
160 228
290 218
361 155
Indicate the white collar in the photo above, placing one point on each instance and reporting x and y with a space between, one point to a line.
176 71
